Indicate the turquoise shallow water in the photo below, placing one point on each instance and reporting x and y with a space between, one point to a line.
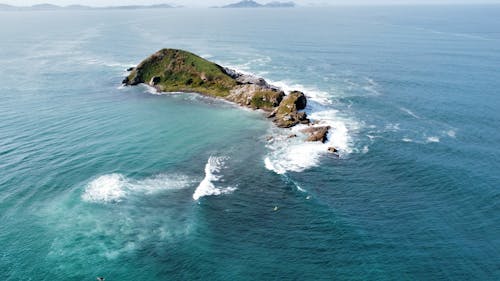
98 180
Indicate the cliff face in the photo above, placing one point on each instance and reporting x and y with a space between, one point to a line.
171 70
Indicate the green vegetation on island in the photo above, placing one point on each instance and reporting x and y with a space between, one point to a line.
173 70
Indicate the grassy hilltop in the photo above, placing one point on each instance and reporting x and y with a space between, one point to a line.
172 70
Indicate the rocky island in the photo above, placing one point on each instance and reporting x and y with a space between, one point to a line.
172 70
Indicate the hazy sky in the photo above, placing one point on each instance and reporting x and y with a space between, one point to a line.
202 3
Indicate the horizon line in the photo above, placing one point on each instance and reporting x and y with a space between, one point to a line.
171 5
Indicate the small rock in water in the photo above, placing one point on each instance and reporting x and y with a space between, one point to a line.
270 138
292 136
333 149
130 69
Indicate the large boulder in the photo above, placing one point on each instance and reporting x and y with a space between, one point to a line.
256 96
300 99
317 133
287 114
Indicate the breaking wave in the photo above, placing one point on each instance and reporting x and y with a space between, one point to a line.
213 174
112 188
295 155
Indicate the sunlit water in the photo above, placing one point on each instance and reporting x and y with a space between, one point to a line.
102 180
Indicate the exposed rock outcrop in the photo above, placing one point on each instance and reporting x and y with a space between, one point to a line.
256 96
317 133
287 114
171 70
333 150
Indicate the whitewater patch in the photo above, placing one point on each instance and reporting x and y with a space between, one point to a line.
296 155
213 174
451 133
112 188
372 87
313 94
433 139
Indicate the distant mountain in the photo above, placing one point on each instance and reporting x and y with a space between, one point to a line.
50 7
253 4
133 7
280 4
77 7
244 4
44 7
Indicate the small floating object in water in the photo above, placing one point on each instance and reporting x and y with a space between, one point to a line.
275 208
100 278
308 197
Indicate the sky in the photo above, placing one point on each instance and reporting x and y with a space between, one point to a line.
206 3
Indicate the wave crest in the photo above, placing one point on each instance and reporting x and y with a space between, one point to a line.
212 174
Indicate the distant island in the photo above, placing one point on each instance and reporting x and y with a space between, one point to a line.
50 7
253 4
172 70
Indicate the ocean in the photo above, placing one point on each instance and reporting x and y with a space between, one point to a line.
97 179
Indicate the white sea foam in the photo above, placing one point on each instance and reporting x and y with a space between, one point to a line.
213 174
107 188
433 139
296 155
392 127
313 94
365 149
451 133
151 90
116 187
409 112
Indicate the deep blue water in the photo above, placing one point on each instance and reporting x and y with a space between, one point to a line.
98 180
